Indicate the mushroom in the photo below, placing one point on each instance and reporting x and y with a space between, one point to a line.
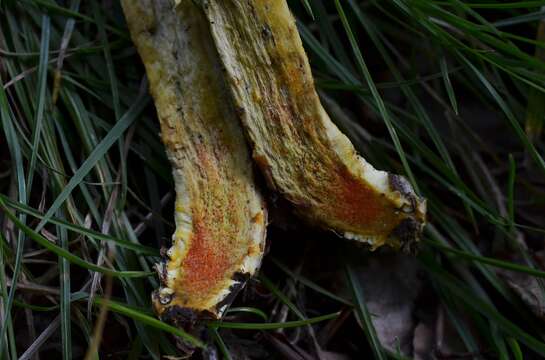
228 76
219 212
302 154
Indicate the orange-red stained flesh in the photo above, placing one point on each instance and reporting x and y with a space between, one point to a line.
301 153
216 238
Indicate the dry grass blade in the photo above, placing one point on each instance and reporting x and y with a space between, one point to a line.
39 342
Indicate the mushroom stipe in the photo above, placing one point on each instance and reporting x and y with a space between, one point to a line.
233 87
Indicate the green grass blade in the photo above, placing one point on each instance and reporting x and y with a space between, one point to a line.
515 349
101 149
65 301
521 19
308 8
8 352
465 296
16 153
148 320
489 261
249 310
221 344
272 326
56 9
363 313
448 85
65 253
115 98
510 116
280 295
535 110
511 179
506 5
376 96
303 280
41 97
141 249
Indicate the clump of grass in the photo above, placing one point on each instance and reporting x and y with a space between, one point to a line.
437 90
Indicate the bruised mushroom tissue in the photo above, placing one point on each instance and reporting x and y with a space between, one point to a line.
220 214
301 153
232 84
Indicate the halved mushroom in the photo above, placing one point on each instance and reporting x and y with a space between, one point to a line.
220 215
302 154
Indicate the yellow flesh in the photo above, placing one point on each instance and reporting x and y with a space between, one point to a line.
220 216
211 67
301 152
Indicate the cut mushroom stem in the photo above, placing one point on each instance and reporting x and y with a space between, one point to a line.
223 72
219 213
302 154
